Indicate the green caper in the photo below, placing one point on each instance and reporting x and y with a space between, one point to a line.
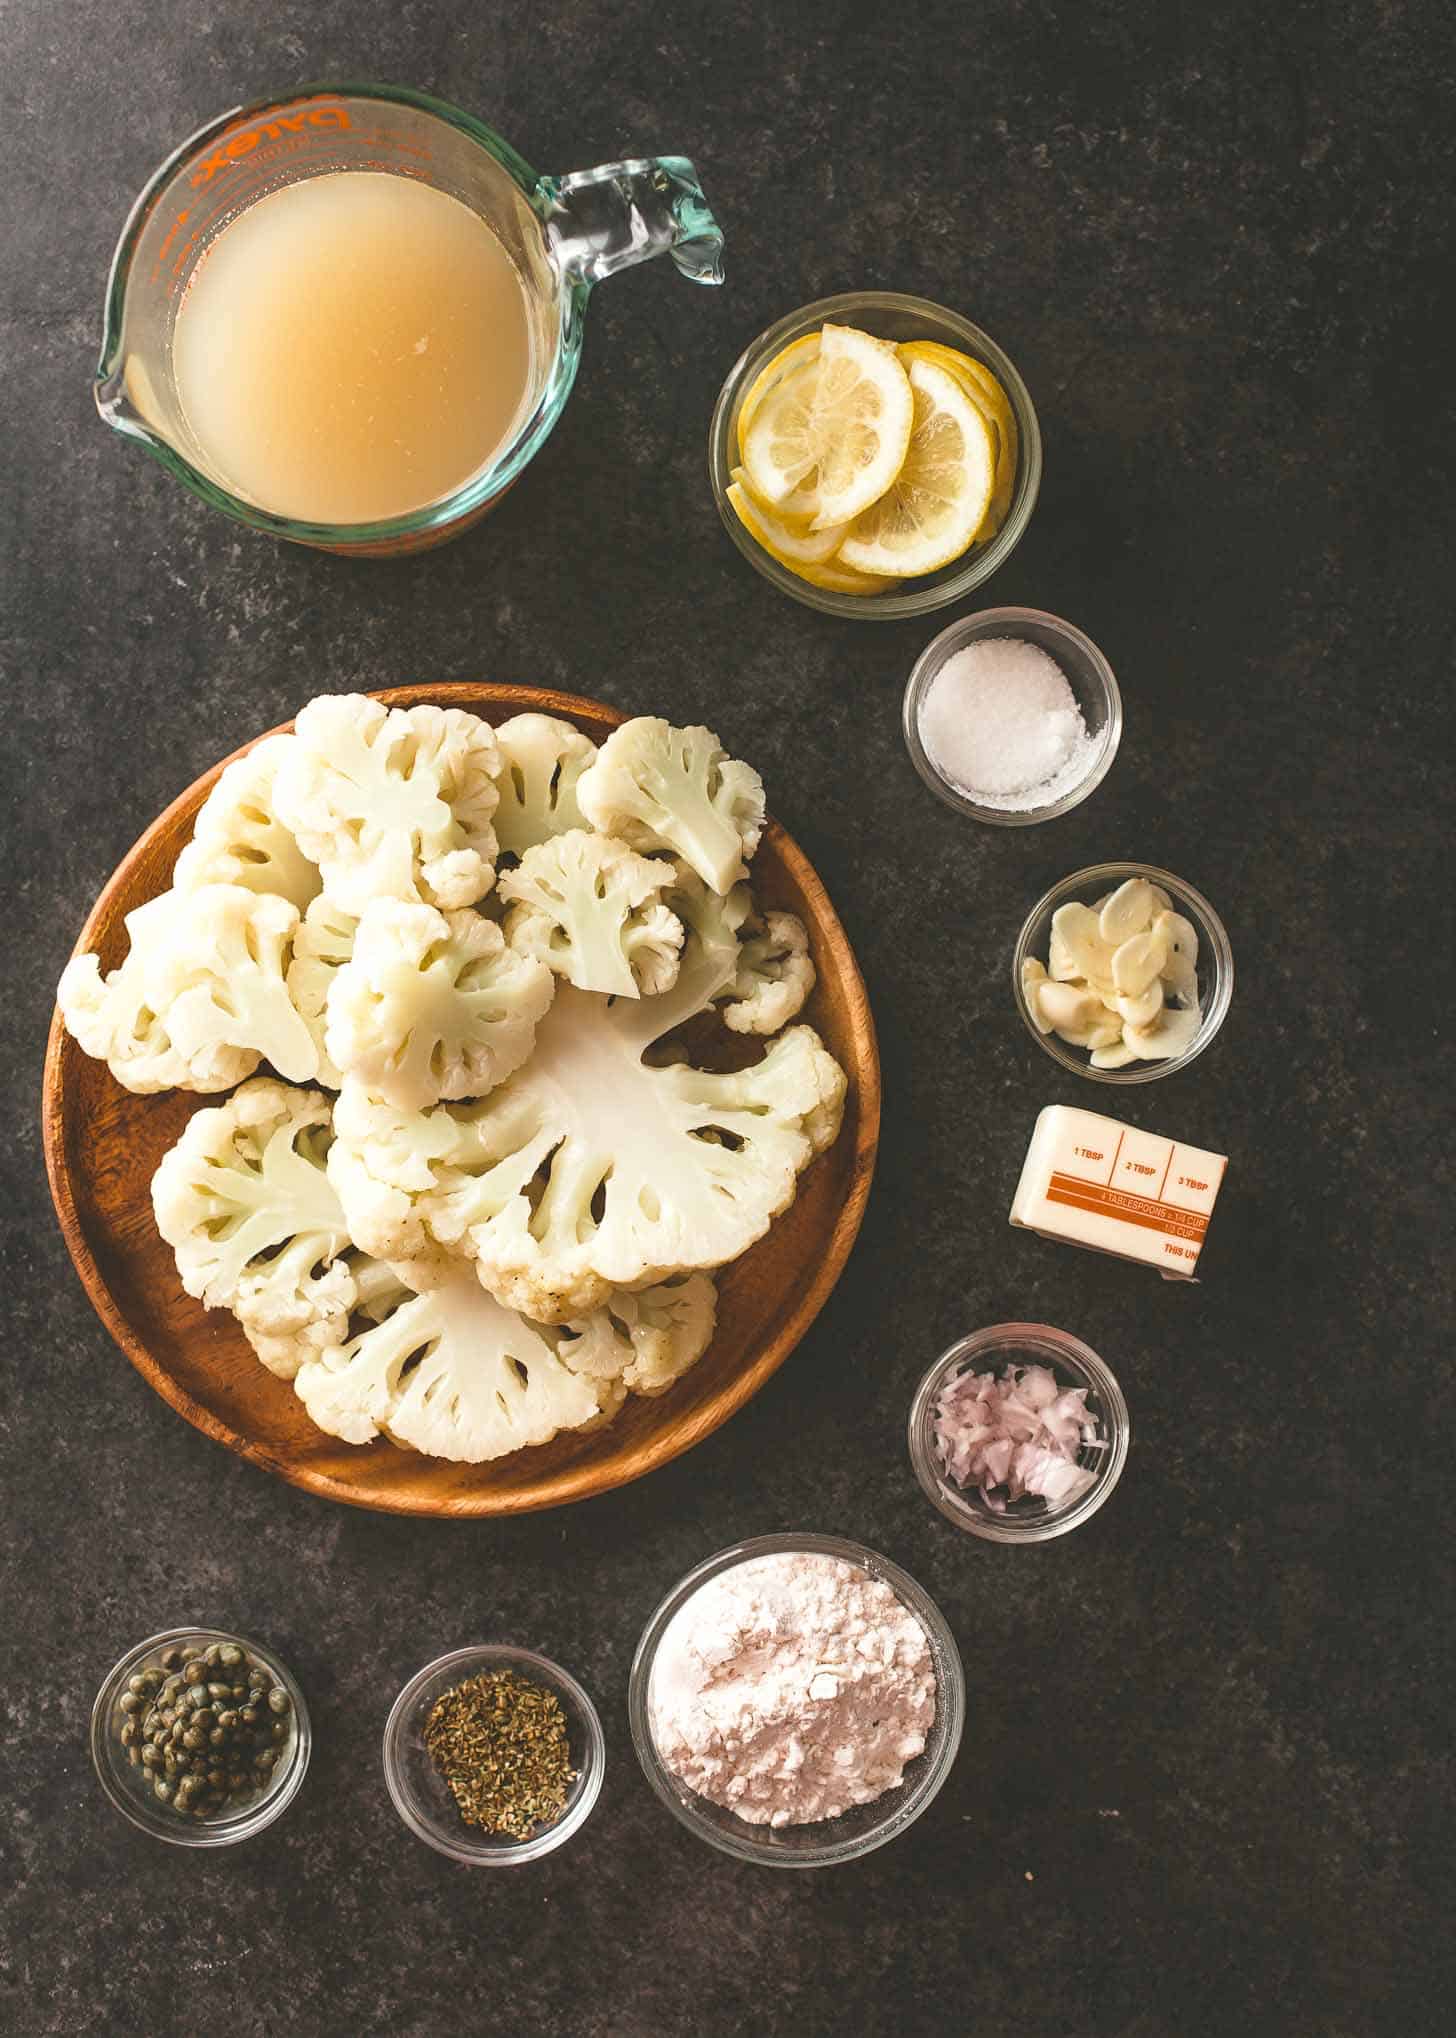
210 1654
279 1730
129 1733
151 1757
194 1672
129 1701
250 1716
161 1788
230 1655
134 1682
227 1721
278 1700
171 1656
203 1717
169 1763
237 1692
216 1692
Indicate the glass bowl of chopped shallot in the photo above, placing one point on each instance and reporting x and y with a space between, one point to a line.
1018 1433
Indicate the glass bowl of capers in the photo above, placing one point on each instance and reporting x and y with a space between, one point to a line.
200 1737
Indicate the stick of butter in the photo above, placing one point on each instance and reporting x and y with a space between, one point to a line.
1091 1181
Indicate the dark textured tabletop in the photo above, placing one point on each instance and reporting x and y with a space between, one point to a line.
1204 1783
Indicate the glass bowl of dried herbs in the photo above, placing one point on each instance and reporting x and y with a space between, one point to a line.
494 1756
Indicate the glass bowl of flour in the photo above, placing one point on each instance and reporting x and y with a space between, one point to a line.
1012 716
797 1701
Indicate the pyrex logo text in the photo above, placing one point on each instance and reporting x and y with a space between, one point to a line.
235 146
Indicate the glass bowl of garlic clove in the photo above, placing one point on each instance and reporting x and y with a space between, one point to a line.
1123 973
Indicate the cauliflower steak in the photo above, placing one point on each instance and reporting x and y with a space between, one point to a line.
589 1170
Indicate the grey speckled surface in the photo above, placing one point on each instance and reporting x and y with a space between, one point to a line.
1206 1773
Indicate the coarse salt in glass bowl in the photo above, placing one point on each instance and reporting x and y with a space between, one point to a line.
122 1780
889 315
1030 1519
860 1829
421 1795
1087 673
1215 967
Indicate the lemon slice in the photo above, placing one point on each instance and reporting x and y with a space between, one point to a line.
991 399
789 546
805 348
937 504
832 434
842 579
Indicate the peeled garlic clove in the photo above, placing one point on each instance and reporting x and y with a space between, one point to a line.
1127 912
1144 1008
1173 1032
1103 1032
1033 975
1180 971
1115 1056
1139 962
1069 1006
1165 904
1077 949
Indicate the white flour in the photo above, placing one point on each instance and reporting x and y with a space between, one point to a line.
792 1687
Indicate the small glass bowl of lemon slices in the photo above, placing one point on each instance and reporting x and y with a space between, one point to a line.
875 455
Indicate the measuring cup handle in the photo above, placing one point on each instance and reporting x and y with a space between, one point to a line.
610 218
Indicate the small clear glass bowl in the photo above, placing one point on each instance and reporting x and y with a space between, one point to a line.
890 315
1028 1520
1215 965
862 1828
122 1781
1087 673
419 1792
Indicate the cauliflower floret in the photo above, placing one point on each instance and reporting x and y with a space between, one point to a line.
201 998
591 910
323 944
709 956
246 1205
588 1170
115 1019
237 839
392 803
453 1374
646 1340
775 976
541 760
657 787
432 1005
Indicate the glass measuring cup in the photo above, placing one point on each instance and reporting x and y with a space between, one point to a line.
563 235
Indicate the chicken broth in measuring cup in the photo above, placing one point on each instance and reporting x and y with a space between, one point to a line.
352 348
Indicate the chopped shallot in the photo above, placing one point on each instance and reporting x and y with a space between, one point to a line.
1016 1435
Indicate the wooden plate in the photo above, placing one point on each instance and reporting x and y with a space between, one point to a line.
102 1145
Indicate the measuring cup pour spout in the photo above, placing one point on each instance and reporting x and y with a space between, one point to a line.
603 220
